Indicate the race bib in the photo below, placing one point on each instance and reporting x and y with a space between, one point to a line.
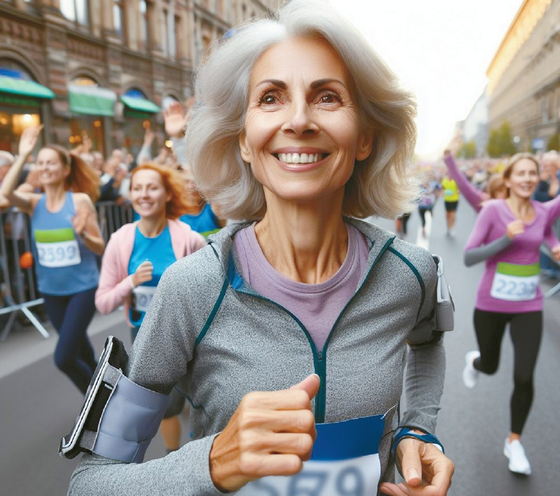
515 282
57 247
449 192
142 296
344 462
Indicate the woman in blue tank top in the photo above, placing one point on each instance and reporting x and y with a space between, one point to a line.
199 215
66 243
138 254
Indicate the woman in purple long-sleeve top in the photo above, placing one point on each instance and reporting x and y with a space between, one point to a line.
507 235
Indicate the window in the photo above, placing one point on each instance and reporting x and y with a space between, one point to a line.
178 38
145 10
75 10
118 21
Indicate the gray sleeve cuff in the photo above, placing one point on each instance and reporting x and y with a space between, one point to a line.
481 253
185 472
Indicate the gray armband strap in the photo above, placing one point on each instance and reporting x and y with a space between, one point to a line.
476 255
442 318
118 418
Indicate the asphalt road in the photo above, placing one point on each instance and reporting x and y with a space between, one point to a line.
38 405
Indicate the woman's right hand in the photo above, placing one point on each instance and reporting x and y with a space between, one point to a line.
28 140
515 228
270 433
143 273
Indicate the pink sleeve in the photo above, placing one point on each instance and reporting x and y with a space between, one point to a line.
550 238
112 290
479 233
553 209
197 242
473 196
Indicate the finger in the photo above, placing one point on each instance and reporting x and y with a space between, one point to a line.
310 385
299 444
411 464
393 489
287 399
279 421
443 470
257 466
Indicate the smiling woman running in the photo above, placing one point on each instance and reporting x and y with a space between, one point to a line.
138 254
292 328
66 243
507 234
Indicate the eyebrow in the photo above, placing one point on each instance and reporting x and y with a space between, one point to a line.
314 85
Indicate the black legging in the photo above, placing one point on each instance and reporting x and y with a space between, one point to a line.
422 212
526 333
70 315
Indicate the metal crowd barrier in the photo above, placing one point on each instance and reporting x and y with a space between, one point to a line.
18 288
112 216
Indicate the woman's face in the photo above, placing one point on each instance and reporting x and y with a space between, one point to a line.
148 194
302 133
523 179
50 167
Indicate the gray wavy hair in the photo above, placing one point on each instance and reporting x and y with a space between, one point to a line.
379 185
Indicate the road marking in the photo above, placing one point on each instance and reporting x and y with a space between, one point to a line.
424 241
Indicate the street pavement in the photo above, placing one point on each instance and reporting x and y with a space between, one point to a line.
38 404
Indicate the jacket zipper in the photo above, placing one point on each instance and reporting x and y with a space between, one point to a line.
319 357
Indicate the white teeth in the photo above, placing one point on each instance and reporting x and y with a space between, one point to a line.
296 158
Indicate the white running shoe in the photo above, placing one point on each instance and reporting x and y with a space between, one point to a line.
470 374
518 462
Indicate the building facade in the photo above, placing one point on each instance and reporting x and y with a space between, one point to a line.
475 126
524 76
104 69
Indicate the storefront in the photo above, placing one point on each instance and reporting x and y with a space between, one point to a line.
92 109
23 103
139 114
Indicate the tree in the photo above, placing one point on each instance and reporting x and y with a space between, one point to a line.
468 150
501 142
554 142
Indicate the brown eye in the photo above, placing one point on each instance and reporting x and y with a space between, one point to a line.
268 99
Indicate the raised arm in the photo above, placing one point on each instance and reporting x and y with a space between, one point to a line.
20 199
473 196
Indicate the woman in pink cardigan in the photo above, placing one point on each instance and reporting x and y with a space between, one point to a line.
137 255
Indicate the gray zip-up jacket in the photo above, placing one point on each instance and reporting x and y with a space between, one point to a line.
205 321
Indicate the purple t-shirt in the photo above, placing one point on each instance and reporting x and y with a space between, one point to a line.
507 283
317 306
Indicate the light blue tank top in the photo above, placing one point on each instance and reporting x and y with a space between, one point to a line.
159 251
63 263
205 222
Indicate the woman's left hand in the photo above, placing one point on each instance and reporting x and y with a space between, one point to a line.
556 253
426 470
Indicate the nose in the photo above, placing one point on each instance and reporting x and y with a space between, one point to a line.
299 119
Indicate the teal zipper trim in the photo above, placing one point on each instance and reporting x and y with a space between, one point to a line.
418 276
321 400
318 361
210 318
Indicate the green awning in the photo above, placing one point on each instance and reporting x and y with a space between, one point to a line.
141 104
24 87
91 100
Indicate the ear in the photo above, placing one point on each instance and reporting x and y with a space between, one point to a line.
365 145
244 149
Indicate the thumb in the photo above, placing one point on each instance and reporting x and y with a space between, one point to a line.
310 385
411 465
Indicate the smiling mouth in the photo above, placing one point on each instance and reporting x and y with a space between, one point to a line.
300 158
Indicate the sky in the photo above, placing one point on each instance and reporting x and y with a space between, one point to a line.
439 49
